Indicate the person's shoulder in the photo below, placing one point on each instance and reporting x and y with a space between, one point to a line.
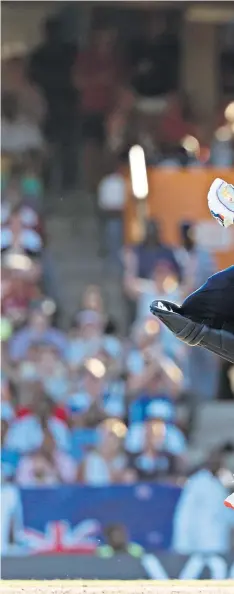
199 478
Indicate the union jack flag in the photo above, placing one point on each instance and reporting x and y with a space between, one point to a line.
61 538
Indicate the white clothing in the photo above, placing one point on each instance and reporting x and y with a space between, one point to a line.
20 136
111 192
202 524
25 434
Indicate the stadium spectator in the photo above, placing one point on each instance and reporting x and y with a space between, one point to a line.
202 524
94 405
85 337
107 463
19 133
195 261
164 284
38 330
26 432
154 461
48 465
92 299
151 251
16 235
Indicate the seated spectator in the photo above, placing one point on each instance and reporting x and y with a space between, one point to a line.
153 389
101 392
86 404
85 337
52 372
196 262
171 446
148 338
28 368
151 395
18 291
150 252
26 432
92 299
19 237
164 284
49 465
28 216
157 382
37 330
154 461
90 337
106 464
19 134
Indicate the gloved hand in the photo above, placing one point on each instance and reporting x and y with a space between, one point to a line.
193 333
221 202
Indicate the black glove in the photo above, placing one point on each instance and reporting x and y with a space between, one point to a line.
194 333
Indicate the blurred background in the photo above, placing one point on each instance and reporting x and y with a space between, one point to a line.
117 439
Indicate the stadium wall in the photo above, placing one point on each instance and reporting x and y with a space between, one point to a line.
151 566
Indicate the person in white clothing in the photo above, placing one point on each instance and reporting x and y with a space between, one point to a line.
201 522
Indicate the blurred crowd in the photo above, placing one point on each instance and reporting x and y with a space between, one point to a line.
106 96
87 404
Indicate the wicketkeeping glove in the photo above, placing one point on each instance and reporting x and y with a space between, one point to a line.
193 333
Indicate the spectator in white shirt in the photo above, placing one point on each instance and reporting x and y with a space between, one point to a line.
48 465
111 201
106 464
202 524
19 134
